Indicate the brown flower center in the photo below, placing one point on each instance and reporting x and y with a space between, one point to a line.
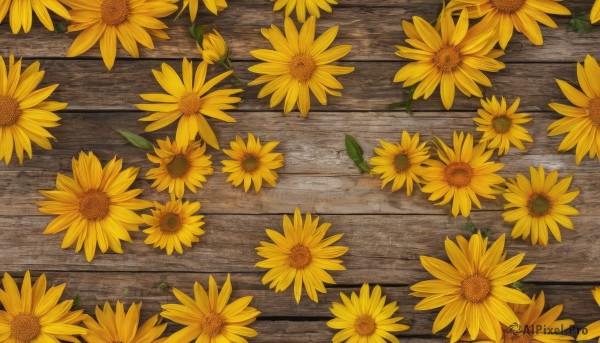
517 337
190 104
458 174
25 327
9 110
501 124
302 67
508 6
300 257
402 162
94 204
447 58
593 112
476 288
213 324
539 205
365 325
178 166
114 12
170 222
250 163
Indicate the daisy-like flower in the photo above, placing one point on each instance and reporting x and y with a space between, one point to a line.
365 317
214 6
189 101
592 331
179 167
581 122
213 49
452 57
21 15
301 255
539 204
173 225
209 317
313 7
595 14
96 206
474 290
252 163
462 174
501 126
299 65
123 327
25 114
33 314
400 162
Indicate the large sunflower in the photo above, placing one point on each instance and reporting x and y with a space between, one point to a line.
34 314
299 65
313 7
581 122
96 206
474 291
595 14
25 114
301 255
189 101
463 174
592 331
452 57
214 6
21 13
129 21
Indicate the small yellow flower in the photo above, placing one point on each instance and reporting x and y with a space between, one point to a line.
214 6
21 13
213 49
592 331
313 7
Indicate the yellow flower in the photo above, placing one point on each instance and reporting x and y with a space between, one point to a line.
25 114
21 13
472 291
302 255
34 314
96 206
189 101
452 57
213 49
313 7
173 225
595 14
131 21
539 204
214 6
252 163
365 317
581 122
208 317
501 126
400 162
463 173
123 327
179 167
593 330
299 65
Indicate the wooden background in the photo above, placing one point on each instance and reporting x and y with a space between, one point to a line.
386 232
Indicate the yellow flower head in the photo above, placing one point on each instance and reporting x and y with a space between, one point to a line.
462 174
252 163
209 317
581 122
451 57
173 225
501 126
400 162
21 13
539 204
214 6
96 206
365 317
25 114
213 49
299 65
131 21
190 102
591 331
302 255
123 327
35 315
472 290
179 167
595 14
313 7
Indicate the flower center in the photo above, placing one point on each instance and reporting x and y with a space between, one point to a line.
250 164
447 58
300 257
114 12
593 111
458 174
25 327
178 166
190 104
402 162
365 325
517 337
501 124
302 67
213 325
94 205
508 6
476 288
9 110
539 205
170 223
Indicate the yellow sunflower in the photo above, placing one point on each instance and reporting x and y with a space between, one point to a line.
189 102
539 204
591 331
452 57
401 162
595 14
213 49
365 317
25 114
179 167
129 21
313 7
208 317
463 174
35 315
299 65
21 13
173 225
123 327
302 255
474 291
96 206
581 122
252 163
214 6
501 126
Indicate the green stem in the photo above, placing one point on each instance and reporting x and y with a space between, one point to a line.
227 65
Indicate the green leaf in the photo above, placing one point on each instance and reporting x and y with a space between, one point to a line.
60 28
355 152
472 229
136 140
163 285
580 22
407 103
76 303
197 31
517 285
